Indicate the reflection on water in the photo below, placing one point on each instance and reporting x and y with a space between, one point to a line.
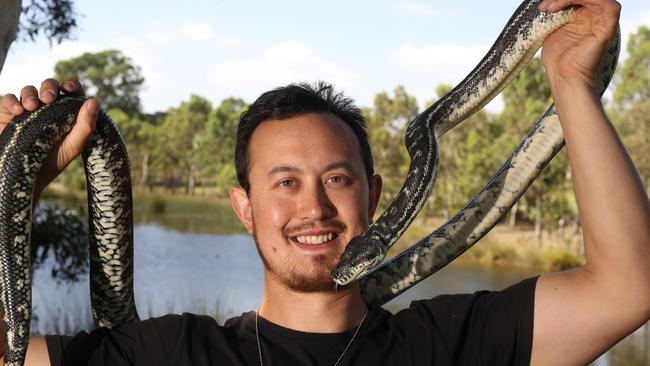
221 275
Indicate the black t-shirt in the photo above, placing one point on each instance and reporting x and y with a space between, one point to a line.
484 328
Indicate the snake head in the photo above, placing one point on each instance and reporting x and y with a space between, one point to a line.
362 254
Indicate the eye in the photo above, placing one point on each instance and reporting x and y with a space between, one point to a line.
337 179
287 183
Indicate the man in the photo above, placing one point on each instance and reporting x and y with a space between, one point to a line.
307 188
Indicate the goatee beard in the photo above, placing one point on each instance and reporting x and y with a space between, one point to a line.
319 279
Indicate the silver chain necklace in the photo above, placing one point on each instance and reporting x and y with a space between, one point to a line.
259 345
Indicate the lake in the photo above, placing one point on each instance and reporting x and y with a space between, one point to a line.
221 275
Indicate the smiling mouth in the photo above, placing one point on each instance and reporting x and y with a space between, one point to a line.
315 239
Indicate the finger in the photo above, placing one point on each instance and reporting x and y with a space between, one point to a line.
72 87
75 141
11 105
49 90
29 98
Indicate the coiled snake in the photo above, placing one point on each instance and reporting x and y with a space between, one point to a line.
27 140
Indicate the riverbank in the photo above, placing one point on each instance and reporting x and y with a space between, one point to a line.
508 246
503 245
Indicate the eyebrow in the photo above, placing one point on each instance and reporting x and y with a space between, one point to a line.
340 164
292 169
283 169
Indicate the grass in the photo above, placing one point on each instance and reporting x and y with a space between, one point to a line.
505 245
193 214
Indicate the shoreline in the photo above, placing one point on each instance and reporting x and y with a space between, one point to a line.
502 246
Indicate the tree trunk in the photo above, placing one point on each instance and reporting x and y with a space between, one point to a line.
9 16
191 181
538 221
144 170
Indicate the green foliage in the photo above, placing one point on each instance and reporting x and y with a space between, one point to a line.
561 260
73 177
139 135
633 79
217 144
632 102
386 125
176 155
53 18
466 161
158 205
108 75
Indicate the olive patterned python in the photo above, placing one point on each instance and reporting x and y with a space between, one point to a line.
520 39
24 145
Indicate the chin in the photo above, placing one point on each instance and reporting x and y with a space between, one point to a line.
317 278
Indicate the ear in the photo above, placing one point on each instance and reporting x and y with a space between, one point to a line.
242 206
375 194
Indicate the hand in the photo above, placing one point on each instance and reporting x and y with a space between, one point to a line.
72 144
572 53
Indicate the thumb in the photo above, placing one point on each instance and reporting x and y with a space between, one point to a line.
74 143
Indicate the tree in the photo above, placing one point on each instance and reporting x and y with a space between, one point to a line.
217 144
109 75
182 129
386 126
633 81
466 161
53 18
137 133
9 15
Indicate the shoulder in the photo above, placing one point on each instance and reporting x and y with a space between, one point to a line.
170 322
497 325
144 340
444 308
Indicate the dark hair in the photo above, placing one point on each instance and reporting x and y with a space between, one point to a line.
295 100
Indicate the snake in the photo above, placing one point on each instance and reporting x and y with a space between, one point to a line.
517 43
24 145
28 139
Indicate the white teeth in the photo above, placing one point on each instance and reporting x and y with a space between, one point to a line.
314 239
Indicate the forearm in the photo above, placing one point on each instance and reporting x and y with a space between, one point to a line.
37 353
613 206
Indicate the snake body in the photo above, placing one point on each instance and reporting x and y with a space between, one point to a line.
484 210
24 145
520 39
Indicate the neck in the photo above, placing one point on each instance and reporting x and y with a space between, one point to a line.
320 312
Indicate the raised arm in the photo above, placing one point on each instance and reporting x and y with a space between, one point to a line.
69 148
579 314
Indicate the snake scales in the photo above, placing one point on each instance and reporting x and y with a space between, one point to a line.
27 140
24 145
522 36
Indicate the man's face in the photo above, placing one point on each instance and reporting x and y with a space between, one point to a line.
308 197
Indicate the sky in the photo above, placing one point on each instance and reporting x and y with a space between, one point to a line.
241 48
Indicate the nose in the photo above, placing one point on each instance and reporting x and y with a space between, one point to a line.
315 204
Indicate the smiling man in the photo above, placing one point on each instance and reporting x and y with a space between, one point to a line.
307 187
314 192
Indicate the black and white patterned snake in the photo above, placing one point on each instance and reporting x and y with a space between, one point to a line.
27 140
24 145
520 39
